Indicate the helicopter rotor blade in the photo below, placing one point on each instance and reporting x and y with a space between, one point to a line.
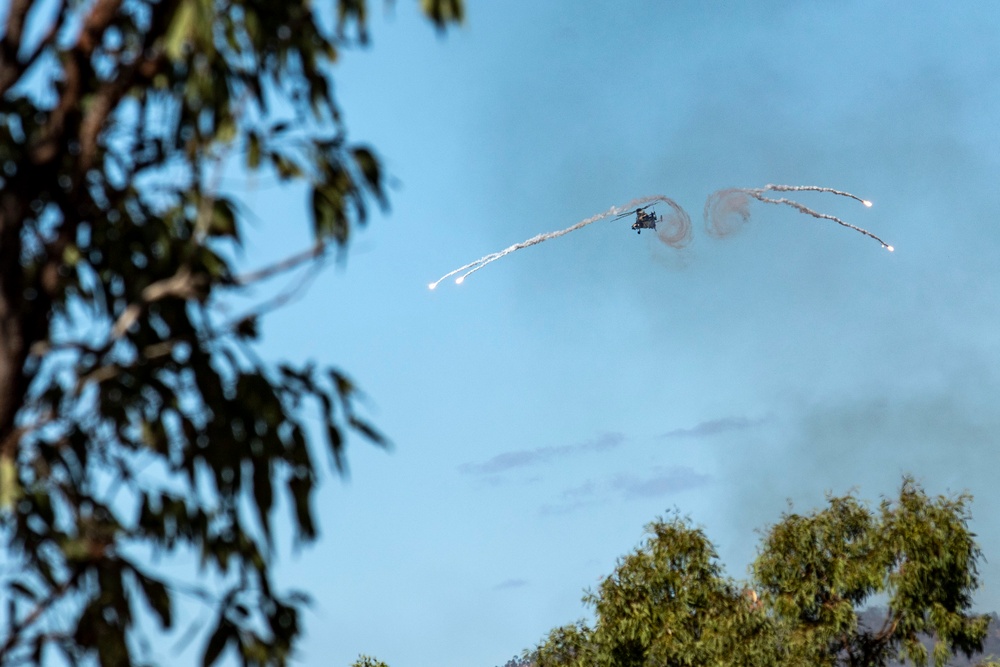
634 210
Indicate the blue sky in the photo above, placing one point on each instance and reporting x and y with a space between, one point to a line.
563 397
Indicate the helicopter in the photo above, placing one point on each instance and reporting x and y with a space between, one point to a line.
643 219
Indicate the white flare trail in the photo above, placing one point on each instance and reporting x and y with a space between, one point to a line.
680 219
472 267
814 188
758 194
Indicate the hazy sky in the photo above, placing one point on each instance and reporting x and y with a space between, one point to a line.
563 397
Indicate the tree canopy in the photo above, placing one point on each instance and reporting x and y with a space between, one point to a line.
135 416
669 602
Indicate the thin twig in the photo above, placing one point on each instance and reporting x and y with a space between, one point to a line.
184 284
17 628
281 266
284 297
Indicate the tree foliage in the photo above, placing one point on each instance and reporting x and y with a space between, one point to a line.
669 603
135 417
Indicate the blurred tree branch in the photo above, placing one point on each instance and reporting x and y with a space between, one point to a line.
132 419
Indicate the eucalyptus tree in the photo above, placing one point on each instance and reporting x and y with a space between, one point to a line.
670 603
135 416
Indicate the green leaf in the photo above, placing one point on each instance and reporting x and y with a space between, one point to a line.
71 255
443 12
322 213
300 487
285 167
225 131
86 633
10 486
253 150
224 632
329 219
371 171
180 30
345 387
263 494
157 596
367 661
369 432
76 549
247 328
223 222
336 442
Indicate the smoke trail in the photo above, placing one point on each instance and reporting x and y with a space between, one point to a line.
675 233
713 209
674 228
814 188
725 211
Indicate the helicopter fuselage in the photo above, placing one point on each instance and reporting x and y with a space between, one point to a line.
643 221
